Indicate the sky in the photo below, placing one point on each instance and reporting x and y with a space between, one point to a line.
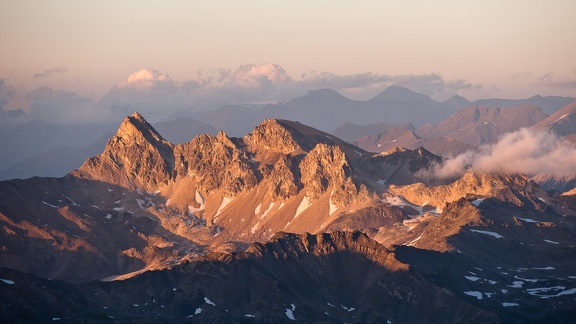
88 54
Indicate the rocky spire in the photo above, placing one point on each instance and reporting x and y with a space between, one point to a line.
135 157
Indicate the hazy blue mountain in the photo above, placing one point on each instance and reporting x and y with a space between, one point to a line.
548 104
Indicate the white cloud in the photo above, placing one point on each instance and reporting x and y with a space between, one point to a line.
270 72
526 151
146 79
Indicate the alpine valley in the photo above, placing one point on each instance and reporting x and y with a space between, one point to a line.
290 223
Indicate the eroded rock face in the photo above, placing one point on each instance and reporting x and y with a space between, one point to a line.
216 163
283 183
136 157
273 136
326 167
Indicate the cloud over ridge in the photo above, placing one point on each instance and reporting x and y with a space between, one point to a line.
525 151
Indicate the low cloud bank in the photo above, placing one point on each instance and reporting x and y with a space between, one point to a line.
526 151
158 96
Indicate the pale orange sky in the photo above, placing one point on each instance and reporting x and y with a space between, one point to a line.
514 49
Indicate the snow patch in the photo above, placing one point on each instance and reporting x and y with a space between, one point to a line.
73 203
567 292
225 202
476 294
7 281
108 216
546 268
348 309
505 304
472 278
516 284
267 210
381 182
411 243
140 203
109 190
358 153
528 280
305 203
333 207
198 311
254 228
208 301
248 315
47 204
477 202
257 209
290 312
551 242
118 209
561 117
536 291
200 200
527 220
494 234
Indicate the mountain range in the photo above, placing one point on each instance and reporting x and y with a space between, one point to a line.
287 222
29 143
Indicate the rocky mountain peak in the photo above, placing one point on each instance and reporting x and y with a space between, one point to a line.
135 128
273 135
223 137
135 157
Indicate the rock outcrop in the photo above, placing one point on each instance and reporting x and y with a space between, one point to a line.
326 167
